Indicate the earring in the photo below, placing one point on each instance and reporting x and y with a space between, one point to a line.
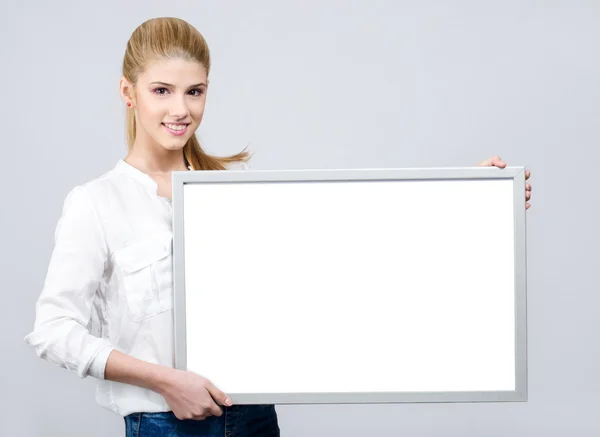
129 104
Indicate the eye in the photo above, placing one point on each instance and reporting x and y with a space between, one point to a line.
197 92
161 91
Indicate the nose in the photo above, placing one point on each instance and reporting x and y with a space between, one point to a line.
179 108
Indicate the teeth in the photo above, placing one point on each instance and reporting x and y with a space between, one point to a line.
176 126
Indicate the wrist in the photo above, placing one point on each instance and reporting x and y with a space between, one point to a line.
161 379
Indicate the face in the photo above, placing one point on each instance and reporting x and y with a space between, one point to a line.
168 100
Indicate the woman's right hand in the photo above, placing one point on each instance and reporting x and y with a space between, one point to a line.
191 396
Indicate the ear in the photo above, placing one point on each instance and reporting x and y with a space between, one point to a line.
126 89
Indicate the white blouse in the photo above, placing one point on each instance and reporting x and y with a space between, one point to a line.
109 285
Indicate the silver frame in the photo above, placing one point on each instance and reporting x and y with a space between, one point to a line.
517 174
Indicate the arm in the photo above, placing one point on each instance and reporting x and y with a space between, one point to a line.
189 395
64 308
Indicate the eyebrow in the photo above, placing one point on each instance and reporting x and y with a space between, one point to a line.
173 86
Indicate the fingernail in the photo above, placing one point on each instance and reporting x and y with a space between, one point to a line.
228 402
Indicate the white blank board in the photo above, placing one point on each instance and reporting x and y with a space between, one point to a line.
301 291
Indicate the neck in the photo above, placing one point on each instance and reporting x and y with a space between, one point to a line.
155 159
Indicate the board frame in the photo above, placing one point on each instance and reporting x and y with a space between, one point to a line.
516 174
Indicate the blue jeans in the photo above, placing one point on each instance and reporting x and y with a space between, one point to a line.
236 421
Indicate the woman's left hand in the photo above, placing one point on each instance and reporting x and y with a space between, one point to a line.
497 162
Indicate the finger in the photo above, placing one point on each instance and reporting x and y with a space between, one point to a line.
527 174
527 206
497 162
528 187
486 162
494 161
219 397
215 410
211 410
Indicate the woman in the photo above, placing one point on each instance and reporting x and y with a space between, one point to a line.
112 254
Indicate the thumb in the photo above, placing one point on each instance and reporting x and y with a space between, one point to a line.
219 397
495 161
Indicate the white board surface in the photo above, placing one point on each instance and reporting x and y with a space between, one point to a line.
295 288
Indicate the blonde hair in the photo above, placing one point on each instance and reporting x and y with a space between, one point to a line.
171 38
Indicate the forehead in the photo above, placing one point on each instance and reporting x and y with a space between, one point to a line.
174 71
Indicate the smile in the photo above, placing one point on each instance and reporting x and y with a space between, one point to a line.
175 129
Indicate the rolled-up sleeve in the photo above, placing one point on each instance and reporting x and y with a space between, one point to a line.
64 307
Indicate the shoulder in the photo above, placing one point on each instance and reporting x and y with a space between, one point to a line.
94 190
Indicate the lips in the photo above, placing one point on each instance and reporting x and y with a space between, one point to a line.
176 129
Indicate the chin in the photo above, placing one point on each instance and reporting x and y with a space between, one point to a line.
173 144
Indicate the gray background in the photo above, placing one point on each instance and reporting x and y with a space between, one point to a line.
325 84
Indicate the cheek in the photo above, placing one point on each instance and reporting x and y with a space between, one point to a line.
149 113
197 111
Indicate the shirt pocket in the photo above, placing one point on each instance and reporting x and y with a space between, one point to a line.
147 270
